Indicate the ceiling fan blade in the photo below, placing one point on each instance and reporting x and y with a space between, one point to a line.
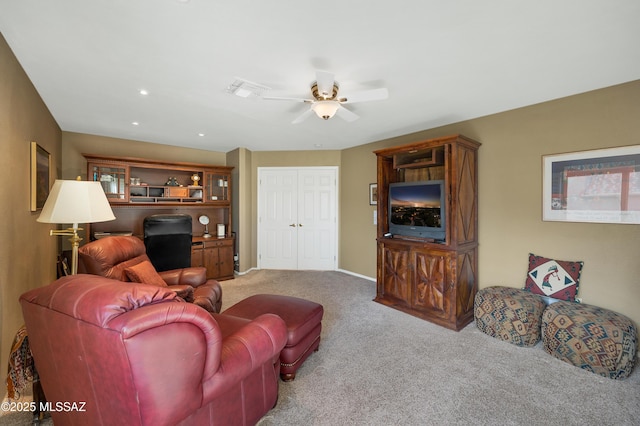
277 98
303 117
325 81
365 96
346 115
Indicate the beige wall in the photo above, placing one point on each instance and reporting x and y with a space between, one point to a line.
27 252
240 160
510 188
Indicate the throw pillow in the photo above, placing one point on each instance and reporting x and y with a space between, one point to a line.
558 279
144 272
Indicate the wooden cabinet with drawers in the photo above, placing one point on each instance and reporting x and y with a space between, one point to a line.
435 280
137 188
215 254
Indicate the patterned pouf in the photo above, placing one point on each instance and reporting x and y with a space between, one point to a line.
509 314
595 339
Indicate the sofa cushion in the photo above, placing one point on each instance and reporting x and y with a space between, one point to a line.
558 279
144 272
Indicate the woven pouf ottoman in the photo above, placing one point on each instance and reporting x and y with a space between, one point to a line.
304 324
592 338
510 314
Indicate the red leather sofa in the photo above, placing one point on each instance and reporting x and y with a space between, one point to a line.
135 354
110 257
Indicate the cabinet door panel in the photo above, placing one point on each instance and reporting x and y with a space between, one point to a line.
114 180
396 273
430 283
211 260
225 258
466 213
197 259
466 282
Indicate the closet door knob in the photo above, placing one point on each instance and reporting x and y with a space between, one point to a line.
293 225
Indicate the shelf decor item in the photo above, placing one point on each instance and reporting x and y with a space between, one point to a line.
600 186
204 220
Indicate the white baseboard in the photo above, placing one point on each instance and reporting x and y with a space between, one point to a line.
238 273
245 272
356 275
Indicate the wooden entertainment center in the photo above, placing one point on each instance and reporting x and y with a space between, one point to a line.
433 280
137 188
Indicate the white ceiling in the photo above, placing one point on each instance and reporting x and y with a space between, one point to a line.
442 62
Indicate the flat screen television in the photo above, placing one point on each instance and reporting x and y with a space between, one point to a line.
417 209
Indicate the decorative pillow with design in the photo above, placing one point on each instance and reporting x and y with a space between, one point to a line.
145 273
558 279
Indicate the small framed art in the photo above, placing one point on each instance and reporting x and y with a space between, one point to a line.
40 166
373 194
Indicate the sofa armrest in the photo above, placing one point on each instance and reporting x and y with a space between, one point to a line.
257 343
183 291
194 276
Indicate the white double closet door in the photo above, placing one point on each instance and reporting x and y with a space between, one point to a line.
297 218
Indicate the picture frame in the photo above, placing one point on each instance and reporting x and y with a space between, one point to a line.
40 172
373 194
596 186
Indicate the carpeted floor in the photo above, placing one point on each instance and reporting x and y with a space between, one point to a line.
378 366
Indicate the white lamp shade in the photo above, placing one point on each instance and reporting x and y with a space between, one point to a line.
325 109
76 201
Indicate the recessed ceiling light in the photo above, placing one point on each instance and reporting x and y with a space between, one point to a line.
144 92
135 123
200 134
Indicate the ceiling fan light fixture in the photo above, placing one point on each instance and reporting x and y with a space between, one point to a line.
325 109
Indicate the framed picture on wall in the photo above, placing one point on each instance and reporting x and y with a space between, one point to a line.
40 166
373 194
600 186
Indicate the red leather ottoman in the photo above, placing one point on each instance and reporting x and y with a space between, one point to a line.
304 323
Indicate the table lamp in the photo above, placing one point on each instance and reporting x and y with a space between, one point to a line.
75 201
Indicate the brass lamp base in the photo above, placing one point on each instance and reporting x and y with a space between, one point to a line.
75 243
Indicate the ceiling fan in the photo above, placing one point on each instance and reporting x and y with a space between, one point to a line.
327 102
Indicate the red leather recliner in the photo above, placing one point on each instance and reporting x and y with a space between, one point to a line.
109 257
134 354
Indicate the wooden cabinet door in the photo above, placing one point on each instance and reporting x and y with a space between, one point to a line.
114 179
466 283
210 255
430 287
197 258
225 261
216 256
395 273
